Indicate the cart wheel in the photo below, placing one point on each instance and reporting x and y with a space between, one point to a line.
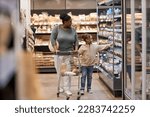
78 93
78 98
57 94
67 98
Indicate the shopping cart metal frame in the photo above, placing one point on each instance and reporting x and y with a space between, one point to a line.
73 54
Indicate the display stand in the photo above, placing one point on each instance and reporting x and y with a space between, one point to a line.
110 31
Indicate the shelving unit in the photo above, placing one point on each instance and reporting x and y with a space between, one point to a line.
110 31
30 40
43 57
45 20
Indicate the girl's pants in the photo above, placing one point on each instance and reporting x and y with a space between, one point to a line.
87 72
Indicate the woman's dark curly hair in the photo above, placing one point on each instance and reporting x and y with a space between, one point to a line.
64 17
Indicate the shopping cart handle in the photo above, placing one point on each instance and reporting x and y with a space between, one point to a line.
66 52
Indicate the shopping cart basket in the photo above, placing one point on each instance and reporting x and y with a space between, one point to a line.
68 63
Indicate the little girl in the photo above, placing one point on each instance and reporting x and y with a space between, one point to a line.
88 55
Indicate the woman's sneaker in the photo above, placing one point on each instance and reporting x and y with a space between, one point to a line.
69 93
61 90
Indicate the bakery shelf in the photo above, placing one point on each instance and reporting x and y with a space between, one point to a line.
87 31
74 23
43 33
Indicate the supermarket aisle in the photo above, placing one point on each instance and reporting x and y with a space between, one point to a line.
49 88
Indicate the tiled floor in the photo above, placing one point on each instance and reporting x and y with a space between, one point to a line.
49 89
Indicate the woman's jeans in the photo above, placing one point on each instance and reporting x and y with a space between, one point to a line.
87 72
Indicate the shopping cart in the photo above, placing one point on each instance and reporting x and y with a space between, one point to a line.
68 65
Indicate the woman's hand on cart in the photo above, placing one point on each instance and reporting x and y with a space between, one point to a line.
75 52
66 52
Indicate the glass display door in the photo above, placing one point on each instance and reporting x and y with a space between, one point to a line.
136 49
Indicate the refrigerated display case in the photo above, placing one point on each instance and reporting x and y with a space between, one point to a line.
136 78
109 27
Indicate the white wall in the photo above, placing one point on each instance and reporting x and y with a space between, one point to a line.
63 4
25 5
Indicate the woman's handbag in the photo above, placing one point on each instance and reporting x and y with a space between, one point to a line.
50 46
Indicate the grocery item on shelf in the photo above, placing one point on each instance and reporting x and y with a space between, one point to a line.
45 23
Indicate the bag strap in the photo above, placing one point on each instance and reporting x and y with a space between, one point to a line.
50 44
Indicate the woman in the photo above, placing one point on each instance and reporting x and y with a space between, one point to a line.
64 38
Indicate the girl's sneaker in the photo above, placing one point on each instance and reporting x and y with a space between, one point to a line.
90 91
61 90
